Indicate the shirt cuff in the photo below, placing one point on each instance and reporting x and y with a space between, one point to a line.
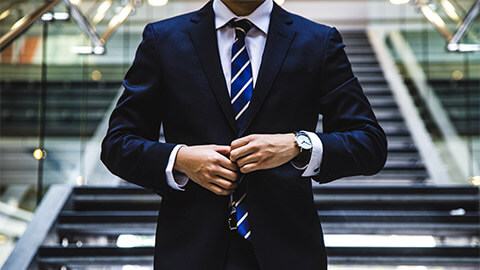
175 180
313 166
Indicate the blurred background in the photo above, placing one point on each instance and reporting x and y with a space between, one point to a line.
61 67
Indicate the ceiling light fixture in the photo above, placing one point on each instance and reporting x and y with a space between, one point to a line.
399 2
157 3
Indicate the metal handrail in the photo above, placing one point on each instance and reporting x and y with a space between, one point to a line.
453 43
82 21
21 26
44 218
457 148
9 5
86 26
434 18
413 120
118 19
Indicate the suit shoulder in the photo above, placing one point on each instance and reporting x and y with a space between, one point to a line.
176 23
305 25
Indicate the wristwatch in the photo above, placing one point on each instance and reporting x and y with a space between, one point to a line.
305 144
303 141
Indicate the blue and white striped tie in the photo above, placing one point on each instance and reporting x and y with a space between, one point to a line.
242 80
241 93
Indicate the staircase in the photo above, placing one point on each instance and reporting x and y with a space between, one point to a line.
73 108
73 112
85 227
404 165
109 227
461 99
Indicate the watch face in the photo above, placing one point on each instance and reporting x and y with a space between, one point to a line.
304 142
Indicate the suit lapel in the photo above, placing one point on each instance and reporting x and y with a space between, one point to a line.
204 39
279 39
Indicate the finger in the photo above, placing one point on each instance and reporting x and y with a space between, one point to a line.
227 174
249 168
215 189
227 164
223 149
242 151
240 142
252 158
218 190
224 184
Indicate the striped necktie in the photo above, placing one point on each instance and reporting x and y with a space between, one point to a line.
241 93
242 80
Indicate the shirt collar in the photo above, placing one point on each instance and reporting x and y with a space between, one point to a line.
260 17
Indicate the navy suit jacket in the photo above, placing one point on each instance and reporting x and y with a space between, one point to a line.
176 80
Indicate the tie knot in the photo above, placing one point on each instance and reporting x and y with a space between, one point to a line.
241 27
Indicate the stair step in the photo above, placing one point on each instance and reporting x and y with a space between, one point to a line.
73 257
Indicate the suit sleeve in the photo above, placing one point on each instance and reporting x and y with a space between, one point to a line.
353 141
131 149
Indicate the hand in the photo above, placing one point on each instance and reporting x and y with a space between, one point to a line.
208 166
259 152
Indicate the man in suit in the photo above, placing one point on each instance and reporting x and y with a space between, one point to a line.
238 86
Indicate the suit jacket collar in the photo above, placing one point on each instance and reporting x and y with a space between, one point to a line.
204 38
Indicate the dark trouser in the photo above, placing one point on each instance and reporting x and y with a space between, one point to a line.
240 255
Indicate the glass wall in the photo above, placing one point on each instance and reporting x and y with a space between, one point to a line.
53 97
59 78
442 76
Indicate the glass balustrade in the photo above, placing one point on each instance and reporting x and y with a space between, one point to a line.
434 45
59 77
13 13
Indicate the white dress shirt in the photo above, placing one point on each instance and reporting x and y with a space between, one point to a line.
255 44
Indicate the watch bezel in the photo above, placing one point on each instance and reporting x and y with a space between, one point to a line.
302 148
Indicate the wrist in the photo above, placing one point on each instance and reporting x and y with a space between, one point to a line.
304 143
180 161
295 149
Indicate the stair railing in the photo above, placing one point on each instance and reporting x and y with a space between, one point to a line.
455 146
422 139
84 24
40 226
24 24
98 41
454 43
453 40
